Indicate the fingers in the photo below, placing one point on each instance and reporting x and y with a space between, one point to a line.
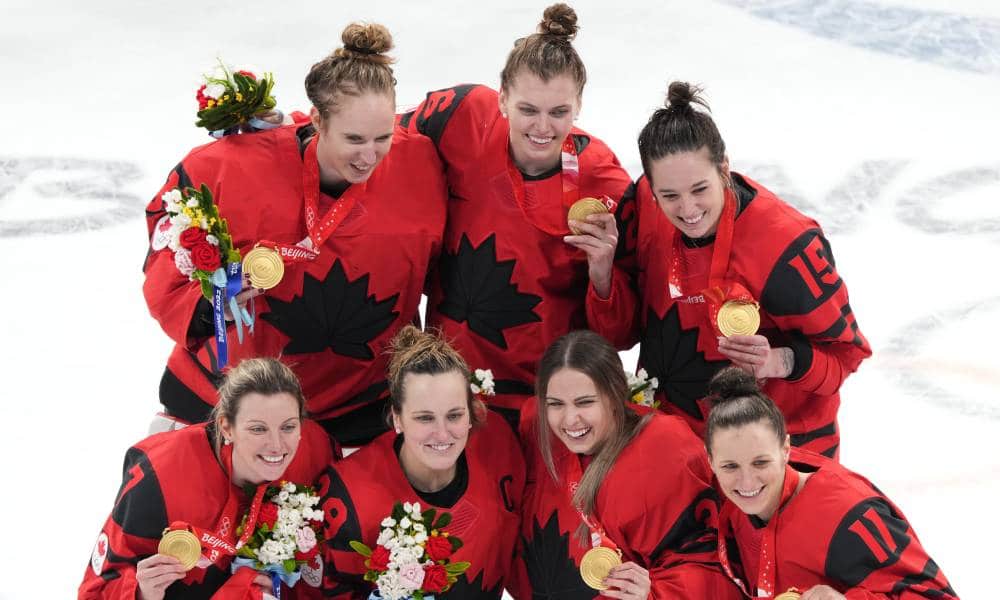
155 573
751 349
262 580
247 294
627 580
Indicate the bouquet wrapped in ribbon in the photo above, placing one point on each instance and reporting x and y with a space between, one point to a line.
642 389
204 252
229 99
412 555
287 535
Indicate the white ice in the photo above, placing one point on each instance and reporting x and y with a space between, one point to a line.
887 134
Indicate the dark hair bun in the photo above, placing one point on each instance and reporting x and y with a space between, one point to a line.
681 94
732 382
367 41
559 20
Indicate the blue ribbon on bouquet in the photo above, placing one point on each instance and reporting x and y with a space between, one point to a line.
227 283
277 573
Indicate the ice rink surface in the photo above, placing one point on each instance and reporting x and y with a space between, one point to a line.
880 119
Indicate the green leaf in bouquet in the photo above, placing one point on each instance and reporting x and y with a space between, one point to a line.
418 595
206 288
288 565
371 576
428 515
455 543
360 548
442 521
246 552
457 568
397 512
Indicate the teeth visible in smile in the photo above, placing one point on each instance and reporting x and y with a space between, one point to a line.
577 433
362 168
751 494
693 220
440 447
540 140
272 459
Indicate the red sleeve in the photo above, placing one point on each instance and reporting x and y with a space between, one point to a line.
617 316
172 298
454 119
808 300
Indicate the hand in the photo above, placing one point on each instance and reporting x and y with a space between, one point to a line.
599 239
754 354
822 592
242 298
155 574
627 580
263 581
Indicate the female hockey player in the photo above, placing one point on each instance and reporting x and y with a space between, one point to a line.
447 453
717 251
358 227
800 520
602 478
512 278
204 478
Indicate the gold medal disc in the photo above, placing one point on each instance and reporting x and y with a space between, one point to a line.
596 564
582 208
182 545
791 594
264 267
738 318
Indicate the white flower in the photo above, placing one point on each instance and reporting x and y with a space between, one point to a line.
215 90
192 203
211 239
482 382
183 262
420 538
415 510
384 537
181 221
405 523
388 522
173 195
282 496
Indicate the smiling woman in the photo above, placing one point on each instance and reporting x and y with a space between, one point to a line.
202 479
800 520
446 452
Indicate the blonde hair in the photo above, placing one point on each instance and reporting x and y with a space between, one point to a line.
592 355
265 376
425 353
360 66
549 52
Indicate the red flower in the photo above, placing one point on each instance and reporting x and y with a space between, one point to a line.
438 548
202 98
379 560
268 514
206 257
307 555
435 578
192 236
248 74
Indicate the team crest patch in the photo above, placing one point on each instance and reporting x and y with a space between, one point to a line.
99 554
161 234
312 572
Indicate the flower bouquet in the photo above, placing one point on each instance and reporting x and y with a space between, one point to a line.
481 382
229 99
198 236
411 556
288 534
642 389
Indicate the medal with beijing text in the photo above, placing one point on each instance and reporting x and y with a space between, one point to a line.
264 267
596 564
182 545
738 318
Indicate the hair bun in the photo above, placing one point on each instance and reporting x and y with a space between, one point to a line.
681 94
732 382
368 41
559 20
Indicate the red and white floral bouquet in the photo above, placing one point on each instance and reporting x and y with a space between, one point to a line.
230 98
288 533
642 389
411 558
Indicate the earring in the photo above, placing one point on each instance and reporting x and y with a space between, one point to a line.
399 430
227 441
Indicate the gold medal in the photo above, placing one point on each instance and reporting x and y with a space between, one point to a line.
596 564
791 594
582 208
182 545
738 318
263 267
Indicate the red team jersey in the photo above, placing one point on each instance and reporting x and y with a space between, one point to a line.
330 318
783 260
657 504
840 531
508 285
175 476
359 492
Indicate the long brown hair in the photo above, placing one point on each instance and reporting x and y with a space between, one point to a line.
592 355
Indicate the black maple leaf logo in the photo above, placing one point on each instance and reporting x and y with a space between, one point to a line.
334 313
477 289
472 590
551 570
671 354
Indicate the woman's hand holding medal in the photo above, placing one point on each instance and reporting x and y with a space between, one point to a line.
155 573
822 592
627 580
597 235
754 354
